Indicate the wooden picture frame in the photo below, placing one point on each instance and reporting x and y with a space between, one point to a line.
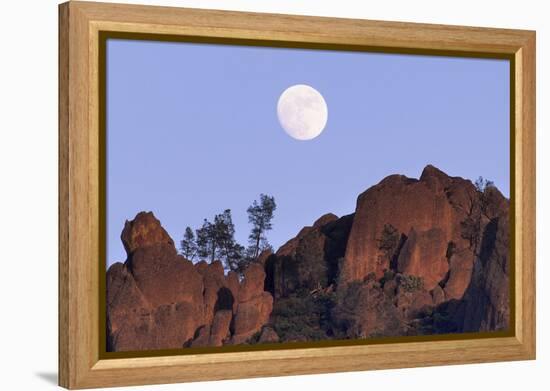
81 364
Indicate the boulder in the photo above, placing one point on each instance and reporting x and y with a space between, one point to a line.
143 231
165 277
460 274
438 295
432 207
124 299
202 337
215 292
251 316
253 282
220 327
324 220
268 335
310 260
156 329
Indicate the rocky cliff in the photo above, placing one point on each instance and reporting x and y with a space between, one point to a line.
418 256
159 300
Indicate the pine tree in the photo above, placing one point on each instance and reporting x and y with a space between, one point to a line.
260 215
205 245
229 251
216 240
188 246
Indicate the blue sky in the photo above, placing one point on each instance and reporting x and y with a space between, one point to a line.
192 130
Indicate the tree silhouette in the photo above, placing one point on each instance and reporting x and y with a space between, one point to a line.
188 246
472 224
216 240
206 245
260 215
228 250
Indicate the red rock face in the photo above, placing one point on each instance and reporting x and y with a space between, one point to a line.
409 261
423 255
165 277
428 213
145 230
159 300
251 316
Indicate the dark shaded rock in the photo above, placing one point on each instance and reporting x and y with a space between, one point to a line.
310 260
324 220
264 255
365 311
268 335
486 301
412 304
337 233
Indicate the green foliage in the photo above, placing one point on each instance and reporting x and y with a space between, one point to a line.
483 184
229 251
439 321
206 245
302 316
411 283
388 276
260 215
371 276
471 225
470 229
217 241
188 246
348 302
389 238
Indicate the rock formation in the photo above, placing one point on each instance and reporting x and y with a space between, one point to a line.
159 300
310 260
418 256
427 214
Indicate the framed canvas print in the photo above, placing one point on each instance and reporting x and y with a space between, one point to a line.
248 195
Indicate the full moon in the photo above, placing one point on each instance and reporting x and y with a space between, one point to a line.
302 112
